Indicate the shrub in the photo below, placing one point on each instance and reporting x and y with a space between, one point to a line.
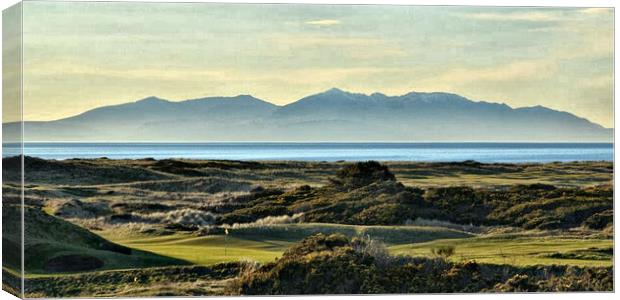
333 264
443 251
361 174
600 220
369 247
317 243
517 283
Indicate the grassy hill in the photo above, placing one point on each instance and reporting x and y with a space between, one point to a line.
53 245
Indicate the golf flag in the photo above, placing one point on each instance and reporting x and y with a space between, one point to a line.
226 231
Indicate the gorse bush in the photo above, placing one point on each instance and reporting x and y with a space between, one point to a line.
333 264
361 174
367 193
572 279
372 248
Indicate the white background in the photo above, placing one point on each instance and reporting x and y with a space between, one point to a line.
592 3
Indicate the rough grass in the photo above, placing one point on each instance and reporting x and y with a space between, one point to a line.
283 173
49 239
75 171
573 174
592 253
163 281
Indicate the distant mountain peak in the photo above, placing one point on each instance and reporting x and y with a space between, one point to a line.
335 90
152 99
342 94
242 98
245 97
251 99
378 95
536 108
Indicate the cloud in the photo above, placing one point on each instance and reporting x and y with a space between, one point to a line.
222 76
605 82
520 70
539 15
597 10
344 47
531 16
323 22
75 69
304 41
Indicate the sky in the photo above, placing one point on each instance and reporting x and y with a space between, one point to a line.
78 56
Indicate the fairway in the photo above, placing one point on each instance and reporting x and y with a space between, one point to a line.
519 251
266 243
208 250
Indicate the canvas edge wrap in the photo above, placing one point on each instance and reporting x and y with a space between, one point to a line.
12 141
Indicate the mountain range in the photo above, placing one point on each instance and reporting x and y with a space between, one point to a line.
332 116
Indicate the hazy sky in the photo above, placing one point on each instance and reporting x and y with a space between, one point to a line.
83 55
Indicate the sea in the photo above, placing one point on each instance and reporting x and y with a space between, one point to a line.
423 152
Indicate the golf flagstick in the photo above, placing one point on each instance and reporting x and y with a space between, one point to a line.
225 241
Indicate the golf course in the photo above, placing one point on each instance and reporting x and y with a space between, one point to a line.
197 227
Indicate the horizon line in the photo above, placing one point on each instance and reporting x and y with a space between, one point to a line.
306 142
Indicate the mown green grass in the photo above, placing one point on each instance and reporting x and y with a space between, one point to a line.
513 250
266 243
208 250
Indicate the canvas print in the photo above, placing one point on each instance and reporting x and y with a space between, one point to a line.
200 149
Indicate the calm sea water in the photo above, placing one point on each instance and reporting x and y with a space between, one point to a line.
482 152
